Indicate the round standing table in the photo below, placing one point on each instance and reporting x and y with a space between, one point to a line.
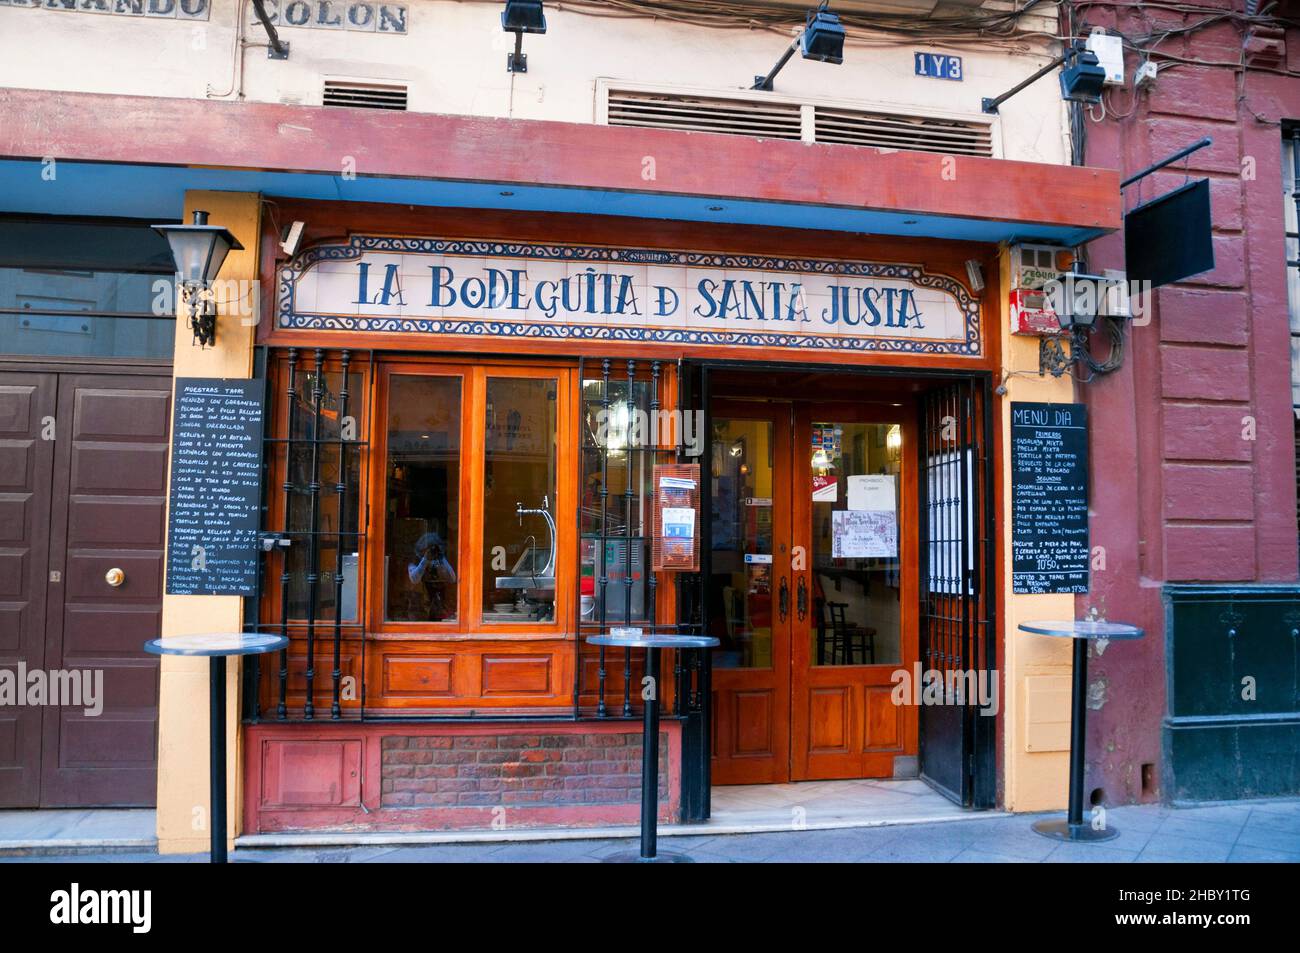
1073 827
217 647
650 738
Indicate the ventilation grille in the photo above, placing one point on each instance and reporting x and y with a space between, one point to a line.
888 131
735 117
364 95
768 119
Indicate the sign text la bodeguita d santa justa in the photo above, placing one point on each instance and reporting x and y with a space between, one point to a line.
378 284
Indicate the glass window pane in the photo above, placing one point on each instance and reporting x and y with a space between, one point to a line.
422 499
618 433
857 606
519 555
742 491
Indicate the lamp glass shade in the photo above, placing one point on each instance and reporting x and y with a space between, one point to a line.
523 16
1083 78
1081 300
198 250
823 37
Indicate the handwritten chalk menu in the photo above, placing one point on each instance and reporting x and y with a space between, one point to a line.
1049 497
216 487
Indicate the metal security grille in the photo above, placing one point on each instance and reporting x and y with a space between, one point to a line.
621 440
956 583
312 561
364 95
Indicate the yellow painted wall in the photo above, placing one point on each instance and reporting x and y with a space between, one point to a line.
1037 668
183 814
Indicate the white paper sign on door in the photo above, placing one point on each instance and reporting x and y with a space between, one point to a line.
872 491
863 534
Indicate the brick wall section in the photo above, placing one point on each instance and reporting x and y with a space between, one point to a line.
515 769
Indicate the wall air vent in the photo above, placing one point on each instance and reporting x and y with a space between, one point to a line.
736 117
764 116
364 95
889 131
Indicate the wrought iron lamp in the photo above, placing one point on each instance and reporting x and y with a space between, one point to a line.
199 250
520 17
822 39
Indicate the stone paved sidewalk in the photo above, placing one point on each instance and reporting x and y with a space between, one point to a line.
1237 832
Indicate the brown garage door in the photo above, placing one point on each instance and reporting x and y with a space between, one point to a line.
71 510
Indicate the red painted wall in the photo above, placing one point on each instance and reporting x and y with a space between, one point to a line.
1179 494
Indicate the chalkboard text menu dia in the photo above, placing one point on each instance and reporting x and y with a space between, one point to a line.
1049 497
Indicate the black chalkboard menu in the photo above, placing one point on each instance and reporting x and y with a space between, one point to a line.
216 487
1049 497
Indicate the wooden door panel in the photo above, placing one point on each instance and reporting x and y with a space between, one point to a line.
882 721
751 671
110 486
27 407
844 723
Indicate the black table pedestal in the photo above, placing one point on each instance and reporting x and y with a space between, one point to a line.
217 755
217 648
649 780
1074 827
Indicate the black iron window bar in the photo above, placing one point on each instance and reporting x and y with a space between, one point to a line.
305 443
606 536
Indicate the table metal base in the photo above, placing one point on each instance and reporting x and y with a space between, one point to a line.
1064 830
632 857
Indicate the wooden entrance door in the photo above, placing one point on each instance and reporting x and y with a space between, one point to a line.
750 589
86 494
855 620
815 611
27 404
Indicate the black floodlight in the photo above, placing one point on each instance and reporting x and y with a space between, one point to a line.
523 16
199 251
520 17
822 38
1081 80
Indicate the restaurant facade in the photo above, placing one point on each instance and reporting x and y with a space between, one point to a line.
524 381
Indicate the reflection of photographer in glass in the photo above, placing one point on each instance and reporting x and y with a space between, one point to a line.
433 572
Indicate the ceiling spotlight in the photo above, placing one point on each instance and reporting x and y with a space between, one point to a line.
520 17
822 39
1081 80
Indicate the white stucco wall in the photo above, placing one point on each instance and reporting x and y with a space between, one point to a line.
453 60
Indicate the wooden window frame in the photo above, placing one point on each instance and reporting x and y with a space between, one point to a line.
473 373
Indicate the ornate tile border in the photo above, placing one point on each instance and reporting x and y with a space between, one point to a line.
289 317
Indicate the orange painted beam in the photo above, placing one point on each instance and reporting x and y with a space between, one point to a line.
276 137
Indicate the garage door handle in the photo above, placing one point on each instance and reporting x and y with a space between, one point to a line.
115 577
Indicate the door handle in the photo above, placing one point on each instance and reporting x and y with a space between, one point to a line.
115 577
783 601
801 599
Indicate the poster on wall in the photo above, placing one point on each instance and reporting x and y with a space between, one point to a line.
864 534
1049 498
